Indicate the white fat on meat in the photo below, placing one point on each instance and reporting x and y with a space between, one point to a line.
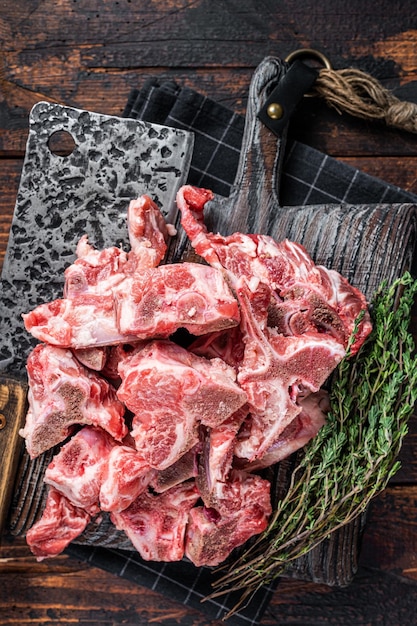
83 321
61 523
171 391
156 523
62 394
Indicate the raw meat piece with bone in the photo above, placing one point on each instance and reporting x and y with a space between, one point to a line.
100 271
326 299
113 297
159 301
240 509
171 391
156 523
86 320
153 303
86 316
77 470
272 371
63 394
61 523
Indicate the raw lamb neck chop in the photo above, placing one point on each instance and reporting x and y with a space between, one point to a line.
171 391
159 301
241 508
153 303
156 523
326 302
63 394
113 297
77 470
61 523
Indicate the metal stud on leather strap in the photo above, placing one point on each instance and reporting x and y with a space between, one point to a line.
275 111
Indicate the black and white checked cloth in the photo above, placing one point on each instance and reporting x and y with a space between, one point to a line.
309 177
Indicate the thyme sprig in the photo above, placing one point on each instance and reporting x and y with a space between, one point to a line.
350 461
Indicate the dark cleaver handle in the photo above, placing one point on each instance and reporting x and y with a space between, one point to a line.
13 407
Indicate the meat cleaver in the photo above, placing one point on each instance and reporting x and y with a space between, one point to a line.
61 197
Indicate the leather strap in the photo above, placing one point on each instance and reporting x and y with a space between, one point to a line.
291 88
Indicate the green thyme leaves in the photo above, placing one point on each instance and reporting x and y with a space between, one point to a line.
353 456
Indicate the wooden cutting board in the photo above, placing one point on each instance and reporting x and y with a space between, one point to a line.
366 243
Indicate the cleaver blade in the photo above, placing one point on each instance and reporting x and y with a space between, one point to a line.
113 161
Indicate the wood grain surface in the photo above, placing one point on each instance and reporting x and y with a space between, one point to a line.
90 54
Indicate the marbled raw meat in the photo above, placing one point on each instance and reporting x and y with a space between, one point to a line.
76 470
171 391
217 454
327 302
61 523
156 523
125 476
62 394
154 302
274 368
83 321
240 509
296 320
160 300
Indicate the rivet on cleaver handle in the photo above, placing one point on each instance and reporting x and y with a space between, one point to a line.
13 407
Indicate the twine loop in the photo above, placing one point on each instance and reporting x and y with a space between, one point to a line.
358 93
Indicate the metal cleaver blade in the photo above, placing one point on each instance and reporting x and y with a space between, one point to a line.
114 160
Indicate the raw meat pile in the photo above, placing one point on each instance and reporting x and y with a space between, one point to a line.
165 430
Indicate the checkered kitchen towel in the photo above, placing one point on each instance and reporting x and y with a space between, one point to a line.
309 177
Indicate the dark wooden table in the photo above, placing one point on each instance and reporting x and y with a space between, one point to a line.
89 54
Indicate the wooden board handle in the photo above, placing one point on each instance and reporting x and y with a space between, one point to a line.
254 195
13 407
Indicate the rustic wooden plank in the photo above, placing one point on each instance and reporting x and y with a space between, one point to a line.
66 591
102 91
390 537
91 56
373 598
203 25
